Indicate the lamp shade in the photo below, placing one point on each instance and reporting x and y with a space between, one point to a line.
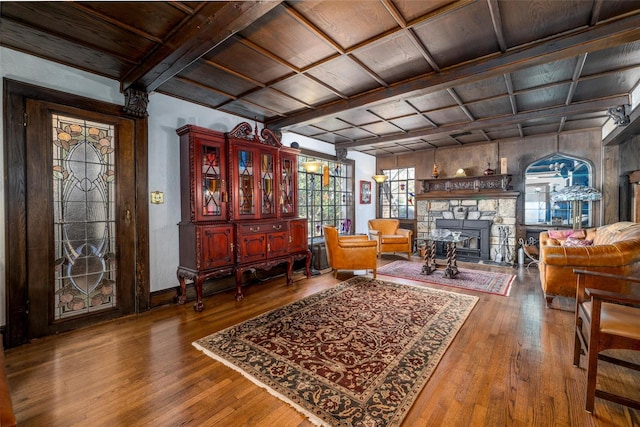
576 192
311 167
379 178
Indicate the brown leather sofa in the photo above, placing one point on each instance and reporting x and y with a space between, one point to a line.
389 237
349 252
615 249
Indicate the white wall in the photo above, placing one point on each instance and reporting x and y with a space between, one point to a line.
166 114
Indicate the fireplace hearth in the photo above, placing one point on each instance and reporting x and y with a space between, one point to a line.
477 247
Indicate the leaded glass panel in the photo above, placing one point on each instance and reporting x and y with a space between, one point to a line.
84 216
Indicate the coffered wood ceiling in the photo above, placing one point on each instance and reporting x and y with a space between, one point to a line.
377 76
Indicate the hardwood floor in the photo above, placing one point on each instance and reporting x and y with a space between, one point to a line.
511 364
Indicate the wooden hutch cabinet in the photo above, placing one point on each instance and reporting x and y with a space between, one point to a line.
238 206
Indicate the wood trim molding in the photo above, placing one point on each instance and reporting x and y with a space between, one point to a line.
634 179
472 187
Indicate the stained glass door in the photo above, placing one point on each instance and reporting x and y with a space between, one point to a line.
83 216
81 200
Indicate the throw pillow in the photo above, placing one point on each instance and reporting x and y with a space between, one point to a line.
572 241
565 234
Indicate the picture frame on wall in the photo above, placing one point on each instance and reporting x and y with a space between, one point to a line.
365 192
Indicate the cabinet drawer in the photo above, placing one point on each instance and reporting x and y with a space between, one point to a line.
262 227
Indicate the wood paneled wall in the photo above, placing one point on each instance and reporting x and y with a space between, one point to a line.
520 153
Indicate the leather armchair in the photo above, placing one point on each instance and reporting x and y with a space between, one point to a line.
615 250
349 252
389 237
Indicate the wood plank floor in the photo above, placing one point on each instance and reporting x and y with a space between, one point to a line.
510 365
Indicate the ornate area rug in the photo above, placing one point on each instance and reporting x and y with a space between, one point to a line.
474 280
356 354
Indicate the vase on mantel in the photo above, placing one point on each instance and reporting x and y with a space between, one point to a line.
489 171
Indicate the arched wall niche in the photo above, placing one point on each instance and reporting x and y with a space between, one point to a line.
548 175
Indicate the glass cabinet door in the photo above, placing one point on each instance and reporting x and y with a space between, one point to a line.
212 183
246 204
267 185
288 185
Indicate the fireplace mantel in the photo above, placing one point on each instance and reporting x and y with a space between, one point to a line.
496 186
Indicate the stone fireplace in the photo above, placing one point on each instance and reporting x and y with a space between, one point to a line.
484 212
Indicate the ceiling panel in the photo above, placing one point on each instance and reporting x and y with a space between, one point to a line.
545 97
487 88
393 59
208 75
491 108
525 22
382 128
415 121
453 37
447 116
305 89
292 41
348 23
246 61
178 88
351 79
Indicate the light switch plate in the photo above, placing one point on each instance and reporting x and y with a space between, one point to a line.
157 197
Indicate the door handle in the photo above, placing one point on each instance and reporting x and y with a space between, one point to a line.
127 214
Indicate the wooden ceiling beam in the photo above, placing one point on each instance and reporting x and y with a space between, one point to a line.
211 25
560 111
554 49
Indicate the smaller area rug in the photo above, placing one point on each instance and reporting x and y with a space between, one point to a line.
357 354
473 280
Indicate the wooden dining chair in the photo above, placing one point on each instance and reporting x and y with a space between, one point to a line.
607 317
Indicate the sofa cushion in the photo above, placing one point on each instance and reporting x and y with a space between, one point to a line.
616 232
393 238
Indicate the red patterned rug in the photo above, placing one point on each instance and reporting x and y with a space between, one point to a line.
473 280
355 354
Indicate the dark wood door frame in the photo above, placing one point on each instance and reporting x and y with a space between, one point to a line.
15 100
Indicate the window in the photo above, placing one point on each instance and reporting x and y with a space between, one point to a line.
397 194
326 197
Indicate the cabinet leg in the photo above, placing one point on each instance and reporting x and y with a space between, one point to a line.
289 272
199 305
182 298
239 296
307 264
